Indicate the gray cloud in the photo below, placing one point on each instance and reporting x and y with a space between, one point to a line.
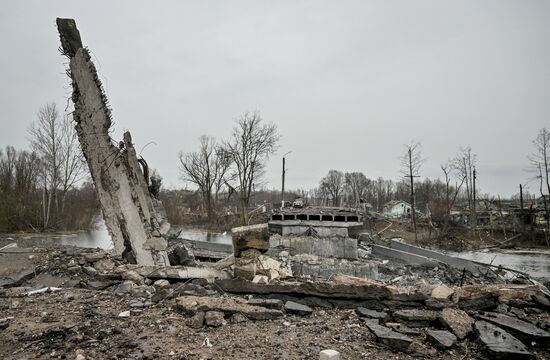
346 82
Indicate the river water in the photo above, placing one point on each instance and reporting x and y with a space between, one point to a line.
535 262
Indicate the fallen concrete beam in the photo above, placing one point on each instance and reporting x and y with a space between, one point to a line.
448 260
190 305
358 289
128 208
175 272
406 257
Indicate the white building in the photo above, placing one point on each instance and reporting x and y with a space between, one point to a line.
396 208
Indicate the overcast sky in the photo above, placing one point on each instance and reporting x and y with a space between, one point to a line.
346 82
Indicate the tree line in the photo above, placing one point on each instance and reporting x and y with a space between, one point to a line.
48 186
38 187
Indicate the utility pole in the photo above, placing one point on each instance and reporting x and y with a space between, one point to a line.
283 182
474 217
521 196
413 205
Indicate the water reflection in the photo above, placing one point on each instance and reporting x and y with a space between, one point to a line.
202 235
97 237
536 264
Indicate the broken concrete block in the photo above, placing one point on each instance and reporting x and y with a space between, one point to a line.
176 272
161 283
266 303
442 292
404 329
523 330
4 323
133 276
329 355
272 268
224 263
457 321
124 314
250 237
192 304
442 339
292 307
214 318
89 270
179 254
260 279
389 337
98 285
363 312
196 321
499 344
244 268
416 317
94 256
104 265
17 278
74 269
238 318
126 287
482 302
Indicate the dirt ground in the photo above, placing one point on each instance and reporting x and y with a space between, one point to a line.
76 322
63 324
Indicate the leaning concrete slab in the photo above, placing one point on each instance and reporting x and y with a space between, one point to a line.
449 260
406 257
128 207
523 330
499 344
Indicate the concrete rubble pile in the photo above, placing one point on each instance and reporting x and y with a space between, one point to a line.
497 317
505 320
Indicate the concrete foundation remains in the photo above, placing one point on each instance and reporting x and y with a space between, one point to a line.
319 267
136 228
316 222
335 247
249 242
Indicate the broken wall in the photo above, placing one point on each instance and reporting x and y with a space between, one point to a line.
126 203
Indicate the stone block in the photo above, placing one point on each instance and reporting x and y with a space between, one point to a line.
329 355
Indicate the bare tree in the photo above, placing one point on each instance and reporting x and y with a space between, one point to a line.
249 148
450 192
46 141
411 161
465 166
205 168
540 158
540 163
55 142
333 183
356 183
73 167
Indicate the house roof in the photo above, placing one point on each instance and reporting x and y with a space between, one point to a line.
395 202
